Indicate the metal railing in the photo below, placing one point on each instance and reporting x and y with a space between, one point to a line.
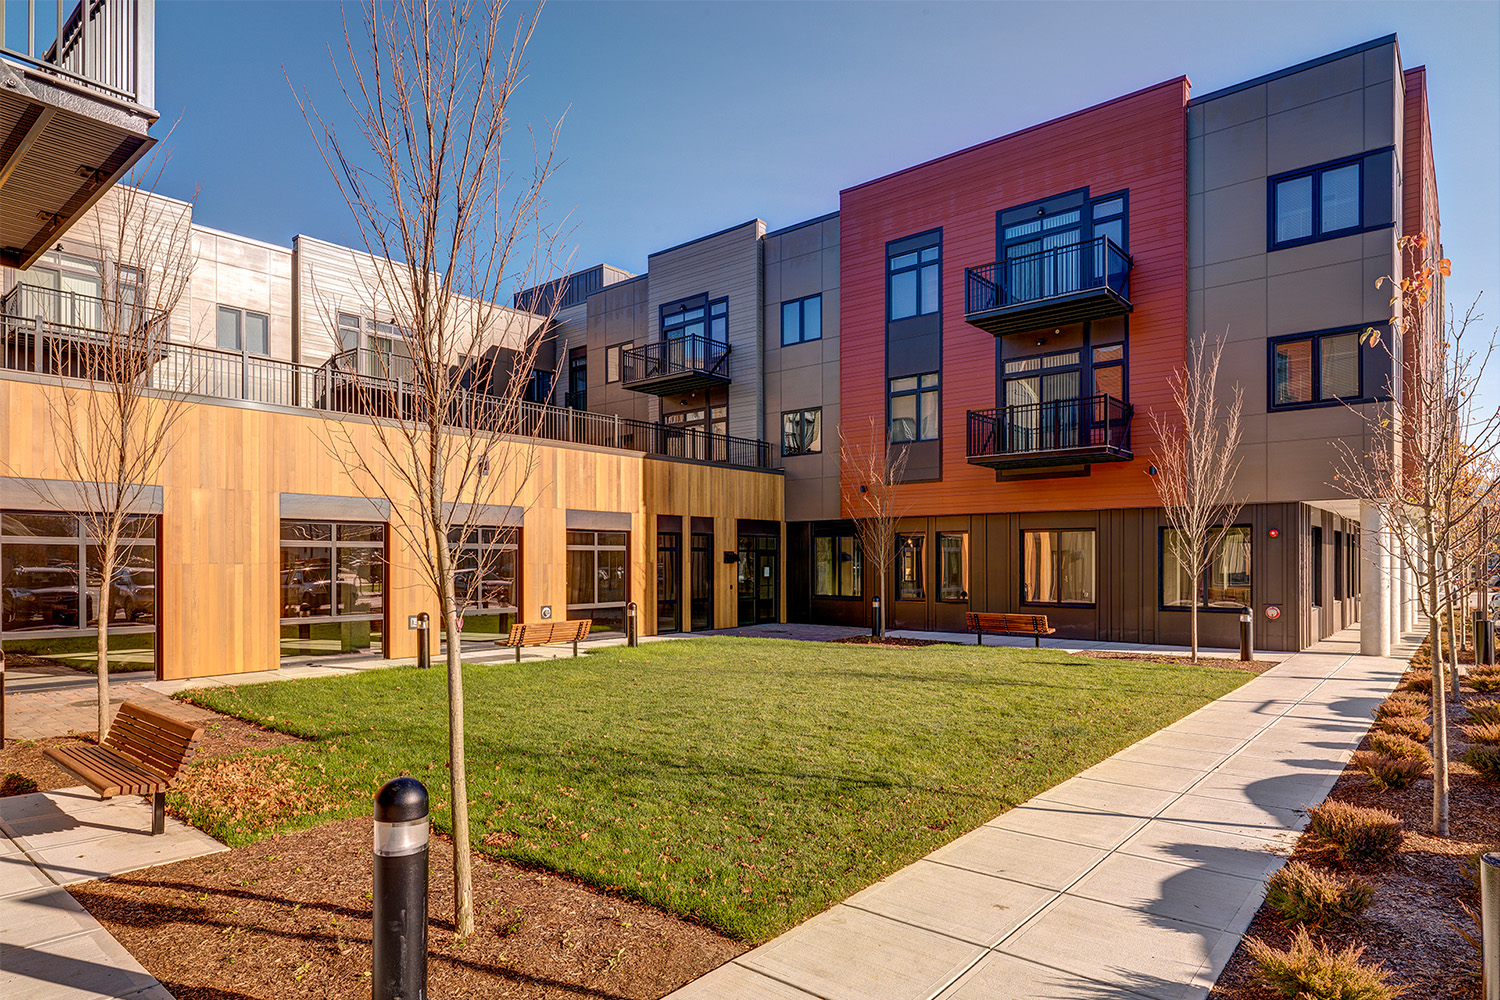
47 346
96 43
1047 274
694 354
1091 422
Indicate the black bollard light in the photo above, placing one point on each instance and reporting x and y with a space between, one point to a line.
632 628
1246 620
399 965
877 624
424 646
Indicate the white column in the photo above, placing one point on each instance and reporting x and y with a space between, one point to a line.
1375 601
1393 564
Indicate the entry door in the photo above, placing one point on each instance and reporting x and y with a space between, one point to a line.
758 577
668 582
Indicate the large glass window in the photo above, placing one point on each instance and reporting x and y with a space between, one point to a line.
1316 204
1223 586
597 577
802 432
1057 567
911 575
838 566
953 565
486 577
1318 368
914 282
802 320
332 587
242 330
914 408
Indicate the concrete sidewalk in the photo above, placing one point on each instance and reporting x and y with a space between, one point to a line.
1134 879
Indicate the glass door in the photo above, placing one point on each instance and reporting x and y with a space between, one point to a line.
758 577
702 586
668 582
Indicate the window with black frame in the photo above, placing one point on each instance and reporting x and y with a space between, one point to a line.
1316 204
1224 585
333 580
914 408
802 320
1042 402
838 565
913 278
1316 369
597 577
911 568
1058 567
802 432
486 578
953 566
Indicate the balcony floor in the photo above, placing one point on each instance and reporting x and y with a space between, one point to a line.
1087 455
1059 310
673 383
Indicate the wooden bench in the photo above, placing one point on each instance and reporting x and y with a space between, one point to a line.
1032 625
545 633
144 754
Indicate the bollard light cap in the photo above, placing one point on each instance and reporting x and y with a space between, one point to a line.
401 800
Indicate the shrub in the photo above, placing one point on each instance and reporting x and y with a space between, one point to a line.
1389 772
1304 895
1485 680
1309 971
1395 745
1419 681
1356 833
1405 725
1482 732
16 784
1483 709
1485 760
1403 704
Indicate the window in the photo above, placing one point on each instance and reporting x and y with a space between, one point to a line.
597 577
953 565
802 320
1319 368
1057 567
1338 566
696 317
242 330
331 569
1109 371
613 362
51 565
1317 566
1316 204
578 379
838 566
802 432
349 326
914 408
1223 586
913 282
911 582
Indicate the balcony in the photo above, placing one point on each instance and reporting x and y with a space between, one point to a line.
1049 288
76 94
49 331
1039 435
682 364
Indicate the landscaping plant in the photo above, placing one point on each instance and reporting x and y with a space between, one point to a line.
1388 773
1485 761
1419 681
16 784
1485 680
1482 732
1305 896
1310 971
1395 745
1483 709
1402 704
1355 833
1405 725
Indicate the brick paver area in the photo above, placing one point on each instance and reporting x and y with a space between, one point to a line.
42 703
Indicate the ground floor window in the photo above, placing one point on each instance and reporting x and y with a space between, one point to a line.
953 565
52 588
333 577
485 578
838 566
911 581
1057 567
597 577
701 568
1223 586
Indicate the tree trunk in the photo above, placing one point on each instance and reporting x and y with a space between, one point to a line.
463 878
101 641
1439 699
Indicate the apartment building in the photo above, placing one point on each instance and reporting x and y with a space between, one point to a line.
1008 316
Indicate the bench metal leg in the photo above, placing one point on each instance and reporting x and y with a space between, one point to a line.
518 654
1038 636
575 647
979 638
158 813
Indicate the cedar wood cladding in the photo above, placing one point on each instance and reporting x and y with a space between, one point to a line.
1138 142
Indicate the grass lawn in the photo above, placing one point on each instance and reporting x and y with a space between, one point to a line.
746 783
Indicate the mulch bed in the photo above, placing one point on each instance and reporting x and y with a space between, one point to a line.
1411 927
290 917
1226 662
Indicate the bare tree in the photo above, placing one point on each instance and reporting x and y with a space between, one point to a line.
1426 465
113 417
871 498
430 85
1196 464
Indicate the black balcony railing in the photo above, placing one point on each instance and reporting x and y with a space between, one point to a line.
1067 431
676 365
1070 284
349 382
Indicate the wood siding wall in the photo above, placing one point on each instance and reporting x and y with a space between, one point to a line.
1137 142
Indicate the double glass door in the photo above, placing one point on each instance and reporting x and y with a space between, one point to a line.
758 576
1044 256
1042 407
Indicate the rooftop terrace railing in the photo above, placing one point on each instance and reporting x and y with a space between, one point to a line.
34 339
104 45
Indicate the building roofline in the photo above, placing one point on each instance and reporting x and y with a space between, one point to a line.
1012 135
211 231
617 284
1373 43
699 239
800 225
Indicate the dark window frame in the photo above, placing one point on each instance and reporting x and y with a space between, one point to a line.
856 554
918 391
671 318
594 548
802 305
802 416
1316 172
1029 601
968 568
1316 336
920 564
932 239
1161 573
1316 544
335 544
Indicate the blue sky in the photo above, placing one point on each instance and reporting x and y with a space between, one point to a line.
684 118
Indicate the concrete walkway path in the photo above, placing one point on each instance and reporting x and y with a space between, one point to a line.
1134 879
